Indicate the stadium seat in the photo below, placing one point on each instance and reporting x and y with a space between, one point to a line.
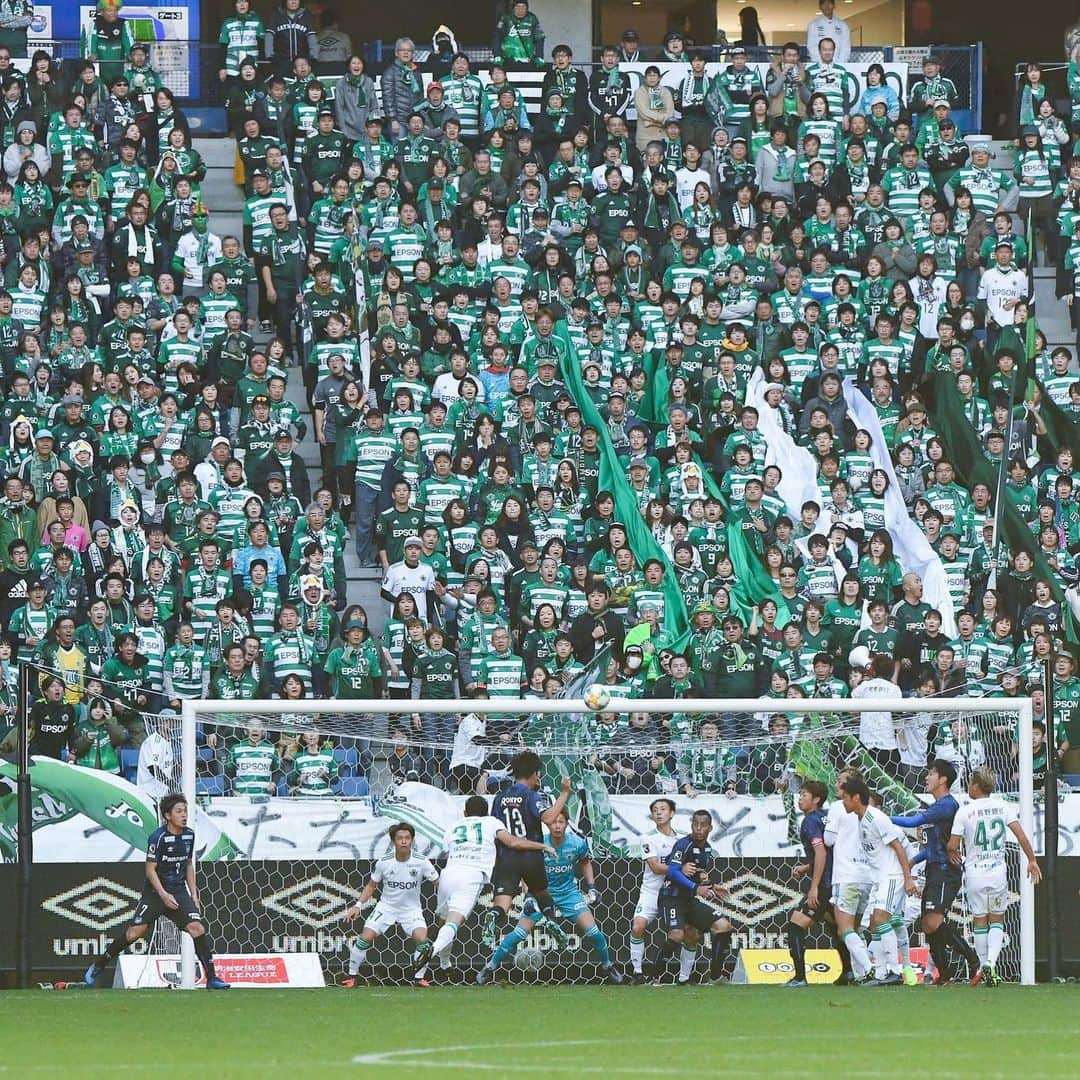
129 763
347 758
210 785
353 787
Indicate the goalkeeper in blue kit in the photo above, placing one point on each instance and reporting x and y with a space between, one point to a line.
571 854
170 892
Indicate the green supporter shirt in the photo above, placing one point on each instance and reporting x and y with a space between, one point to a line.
353 672
436 673
314 771
252 768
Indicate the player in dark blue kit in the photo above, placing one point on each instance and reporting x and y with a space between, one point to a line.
685 911
943 880
815 905
525 808
170 892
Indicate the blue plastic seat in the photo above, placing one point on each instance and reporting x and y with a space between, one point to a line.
347 758
210 785
129 763
353 787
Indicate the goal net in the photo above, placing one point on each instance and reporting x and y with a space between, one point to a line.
296 800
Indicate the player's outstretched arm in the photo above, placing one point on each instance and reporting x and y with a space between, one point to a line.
555 809
519 843
1033 868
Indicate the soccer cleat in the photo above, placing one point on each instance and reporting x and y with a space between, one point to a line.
422 984
351 983
992 977
911 978
558 934
423 952
891 978
977 978
489 928
484 976
845 978
613 975
91 975
217 984
641 979
795 983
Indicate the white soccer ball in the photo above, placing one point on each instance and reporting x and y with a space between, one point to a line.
529 959
859 657
597 697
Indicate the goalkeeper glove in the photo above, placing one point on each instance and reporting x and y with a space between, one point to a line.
592 896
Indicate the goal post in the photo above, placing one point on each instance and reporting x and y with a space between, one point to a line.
767 747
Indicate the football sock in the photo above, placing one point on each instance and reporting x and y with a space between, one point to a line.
877 953
668 951
903 941
116 947
981 934
507 946
995 942
357 954
960 945
842 949
444 939
887 948
687 957
637 954
860 955
547 905
594 938
939 951
206 957
796 936
721 948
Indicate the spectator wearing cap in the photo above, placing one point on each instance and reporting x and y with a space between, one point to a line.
283 459
929 87
630 47
25 147
436 112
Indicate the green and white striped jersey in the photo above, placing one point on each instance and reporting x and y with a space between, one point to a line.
405 246
290 653
466 97
185 667
257 215
372 454
152 645
503 675
514 270
241 36
314 772
252 768
328 218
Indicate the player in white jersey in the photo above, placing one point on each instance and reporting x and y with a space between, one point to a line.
655 848
397 879
852 878
883 846
471 847
983 823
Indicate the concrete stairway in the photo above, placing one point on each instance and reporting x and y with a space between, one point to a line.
225 202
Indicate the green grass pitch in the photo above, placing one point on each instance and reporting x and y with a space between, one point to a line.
538 1031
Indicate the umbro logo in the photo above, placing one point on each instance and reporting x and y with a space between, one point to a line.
98 905
317 902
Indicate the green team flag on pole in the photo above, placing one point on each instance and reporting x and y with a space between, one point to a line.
966 453
613 479
752 581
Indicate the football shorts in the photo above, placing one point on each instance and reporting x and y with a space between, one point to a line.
851 897
514 867
459 889
940 890
387 916
987 895
888 895
152 907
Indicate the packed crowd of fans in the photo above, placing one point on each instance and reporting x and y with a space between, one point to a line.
543 294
